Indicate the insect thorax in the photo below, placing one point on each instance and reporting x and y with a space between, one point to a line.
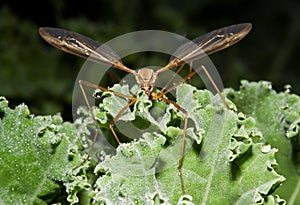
146 78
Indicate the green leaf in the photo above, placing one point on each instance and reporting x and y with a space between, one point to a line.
36 155
225 160
277 116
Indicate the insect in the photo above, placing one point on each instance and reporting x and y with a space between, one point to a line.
85 47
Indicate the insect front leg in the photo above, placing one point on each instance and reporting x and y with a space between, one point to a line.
112 123
83 83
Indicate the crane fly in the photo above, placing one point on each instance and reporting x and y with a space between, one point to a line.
85 47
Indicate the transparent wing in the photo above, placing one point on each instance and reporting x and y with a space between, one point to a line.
207 44
82 46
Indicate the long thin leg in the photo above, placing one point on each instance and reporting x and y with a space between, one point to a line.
192 74
172 78
190 68
92 85
83 83
215 86
160 96
155 97
133 100
178 83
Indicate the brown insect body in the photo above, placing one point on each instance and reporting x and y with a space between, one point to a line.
146 78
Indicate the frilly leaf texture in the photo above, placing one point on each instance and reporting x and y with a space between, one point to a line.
242 156
277 116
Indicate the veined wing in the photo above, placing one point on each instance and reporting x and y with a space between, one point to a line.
207 44
82 46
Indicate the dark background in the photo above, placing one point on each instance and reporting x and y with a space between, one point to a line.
43 77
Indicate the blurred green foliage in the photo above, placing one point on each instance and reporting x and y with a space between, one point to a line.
43 77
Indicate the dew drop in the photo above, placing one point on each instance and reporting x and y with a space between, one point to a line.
266 149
